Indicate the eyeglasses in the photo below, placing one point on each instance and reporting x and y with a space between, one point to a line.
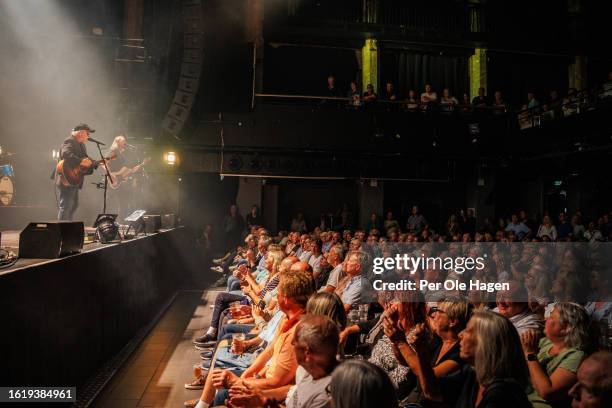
433 310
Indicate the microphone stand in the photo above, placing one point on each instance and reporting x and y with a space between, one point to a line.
107 175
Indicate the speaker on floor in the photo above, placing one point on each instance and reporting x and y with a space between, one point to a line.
152 223
51 239
168 221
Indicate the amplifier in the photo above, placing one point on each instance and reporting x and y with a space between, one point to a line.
168 221
51 239
152 223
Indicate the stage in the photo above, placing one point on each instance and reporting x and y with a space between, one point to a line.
64 320
10 240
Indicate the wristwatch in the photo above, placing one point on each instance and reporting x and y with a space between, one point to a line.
532 357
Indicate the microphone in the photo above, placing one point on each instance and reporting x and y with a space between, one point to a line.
91 139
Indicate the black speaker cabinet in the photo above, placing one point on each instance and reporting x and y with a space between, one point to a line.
168 221
152 223
51 239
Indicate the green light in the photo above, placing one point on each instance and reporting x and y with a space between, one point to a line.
369 62
478 71
557 183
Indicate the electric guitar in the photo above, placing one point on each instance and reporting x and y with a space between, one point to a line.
73 176
121 176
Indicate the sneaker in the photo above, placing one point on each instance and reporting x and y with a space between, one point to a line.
216 269
206 355
217 261
202 348
192 403
206 340
196 384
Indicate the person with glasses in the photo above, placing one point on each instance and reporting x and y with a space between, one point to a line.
447 319
495 376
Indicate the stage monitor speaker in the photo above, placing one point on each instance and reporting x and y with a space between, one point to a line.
51 239
152 223
168 221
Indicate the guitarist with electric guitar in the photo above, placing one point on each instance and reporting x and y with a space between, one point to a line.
122 171
73 166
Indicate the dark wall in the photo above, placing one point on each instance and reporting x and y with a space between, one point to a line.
436 201
304 70
313 197
205 199
515 74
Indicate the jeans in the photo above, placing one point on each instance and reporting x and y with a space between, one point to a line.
221 396
229 329
222 302
68 202
233 283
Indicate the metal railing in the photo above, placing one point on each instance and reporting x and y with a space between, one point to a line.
574 104
383 104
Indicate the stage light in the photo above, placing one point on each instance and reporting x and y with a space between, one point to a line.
170 158
107 229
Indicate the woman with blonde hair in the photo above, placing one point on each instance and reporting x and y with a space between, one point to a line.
495 375
554 360
327 304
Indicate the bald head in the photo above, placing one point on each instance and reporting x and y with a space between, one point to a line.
286 263
301 267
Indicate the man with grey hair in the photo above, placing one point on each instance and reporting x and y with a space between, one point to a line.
334 258
315 342
351 288
316 345
594 386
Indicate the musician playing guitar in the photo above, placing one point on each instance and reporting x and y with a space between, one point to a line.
121 168
73 166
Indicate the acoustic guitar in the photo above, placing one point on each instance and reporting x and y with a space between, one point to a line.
73 176
121 176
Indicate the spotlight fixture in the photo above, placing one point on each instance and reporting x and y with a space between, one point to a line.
171 158
107 229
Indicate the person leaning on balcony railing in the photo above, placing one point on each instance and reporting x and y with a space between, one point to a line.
429 97
369 96
411 101
481 99
332 90
354 95
448 101
389 94
499 103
